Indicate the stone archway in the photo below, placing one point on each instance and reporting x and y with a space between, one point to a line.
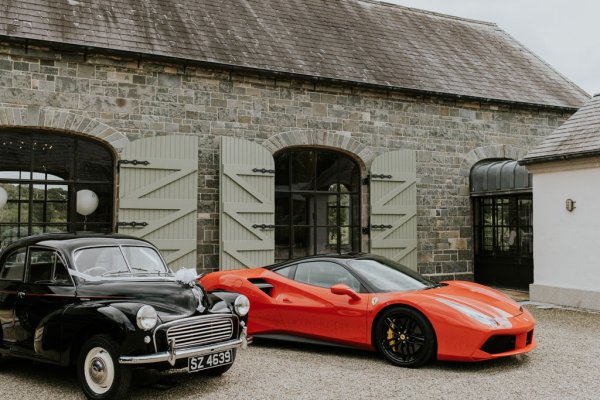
335 140
36 117
56 183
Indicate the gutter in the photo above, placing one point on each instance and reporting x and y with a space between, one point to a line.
558 157
266 72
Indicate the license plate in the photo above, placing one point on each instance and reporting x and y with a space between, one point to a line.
199 363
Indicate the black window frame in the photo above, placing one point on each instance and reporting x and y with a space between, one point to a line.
495 244
52 281
5 259
31 179
288 192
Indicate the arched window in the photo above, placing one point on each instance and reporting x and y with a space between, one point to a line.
41 173
317 203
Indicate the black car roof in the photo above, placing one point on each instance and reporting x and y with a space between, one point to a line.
322 257
71 241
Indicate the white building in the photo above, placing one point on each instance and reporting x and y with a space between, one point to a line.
566 172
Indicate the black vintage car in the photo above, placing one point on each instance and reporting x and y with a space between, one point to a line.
107 303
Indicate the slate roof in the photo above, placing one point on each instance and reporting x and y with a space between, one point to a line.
359 41
578 137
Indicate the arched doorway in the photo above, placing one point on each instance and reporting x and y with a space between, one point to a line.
503 223
317 203
41 173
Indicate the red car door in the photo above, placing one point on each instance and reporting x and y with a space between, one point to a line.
309 308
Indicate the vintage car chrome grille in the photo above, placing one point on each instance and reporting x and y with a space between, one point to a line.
198 331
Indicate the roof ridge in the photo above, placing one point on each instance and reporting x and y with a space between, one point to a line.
421 11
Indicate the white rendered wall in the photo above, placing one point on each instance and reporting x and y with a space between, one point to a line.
566 244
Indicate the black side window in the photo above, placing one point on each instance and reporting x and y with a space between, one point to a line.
14 266
285 271
325 274
46 266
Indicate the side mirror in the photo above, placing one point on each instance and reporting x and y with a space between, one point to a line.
342 289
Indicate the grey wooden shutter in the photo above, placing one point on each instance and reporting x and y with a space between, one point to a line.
158 191
393 193
247 179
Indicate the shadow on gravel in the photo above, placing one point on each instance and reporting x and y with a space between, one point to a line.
44 375
352 353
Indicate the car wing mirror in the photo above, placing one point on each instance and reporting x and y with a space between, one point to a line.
342 289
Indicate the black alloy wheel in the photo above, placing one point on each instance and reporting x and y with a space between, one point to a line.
404 337
99 372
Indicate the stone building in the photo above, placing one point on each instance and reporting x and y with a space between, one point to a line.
248 131
565 167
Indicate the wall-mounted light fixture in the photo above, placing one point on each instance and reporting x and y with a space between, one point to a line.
570 205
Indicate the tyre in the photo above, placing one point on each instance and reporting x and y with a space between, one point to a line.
217 371
404 337
98 369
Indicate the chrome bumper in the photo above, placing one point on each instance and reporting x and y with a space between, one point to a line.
174 354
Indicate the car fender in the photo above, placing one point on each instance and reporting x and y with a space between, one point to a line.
450 326
80 321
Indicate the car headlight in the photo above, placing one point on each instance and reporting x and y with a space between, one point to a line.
146 318
241 305
474 314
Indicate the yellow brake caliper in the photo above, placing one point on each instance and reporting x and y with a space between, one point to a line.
390 337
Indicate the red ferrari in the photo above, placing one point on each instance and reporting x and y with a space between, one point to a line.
373 303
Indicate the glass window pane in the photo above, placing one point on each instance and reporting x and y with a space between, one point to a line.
327 240
23 192
39 192
16 151
58 192
303 209
53 154
325 274
41 264
94 162
326 210
345 210
282 243
303 170
327 170
14 266
303 242
318 170
100 260
285 271
282 172
349 174
282 208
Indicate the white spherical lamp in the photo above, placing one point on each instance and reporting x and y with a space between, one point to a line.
87 202
3 197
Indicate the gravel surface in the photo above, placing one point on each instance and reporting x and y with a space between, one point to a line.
566 364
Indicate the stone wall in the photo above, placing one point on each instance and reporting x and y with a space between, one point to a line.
138 97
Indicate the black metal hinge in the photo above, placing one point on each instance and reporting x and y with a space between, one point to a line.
133 224
263 170
381 226
263 226
134 162
366 180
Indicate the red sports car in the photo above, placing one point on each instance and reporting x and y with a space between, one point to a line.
373 303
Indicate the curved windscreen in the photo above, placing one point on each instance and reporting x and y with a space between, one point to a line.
384 275
113 261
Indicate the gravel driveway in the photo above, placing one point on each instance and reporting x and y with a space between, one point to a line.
566 364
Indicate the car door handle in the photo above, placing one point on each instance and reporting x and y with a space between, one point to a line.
286 300
20 295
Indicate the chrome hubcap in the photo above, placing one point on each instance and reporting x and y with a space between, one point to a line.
99 370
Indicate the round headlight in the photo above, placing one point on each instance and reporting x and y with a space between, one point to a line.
146 318
241 305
